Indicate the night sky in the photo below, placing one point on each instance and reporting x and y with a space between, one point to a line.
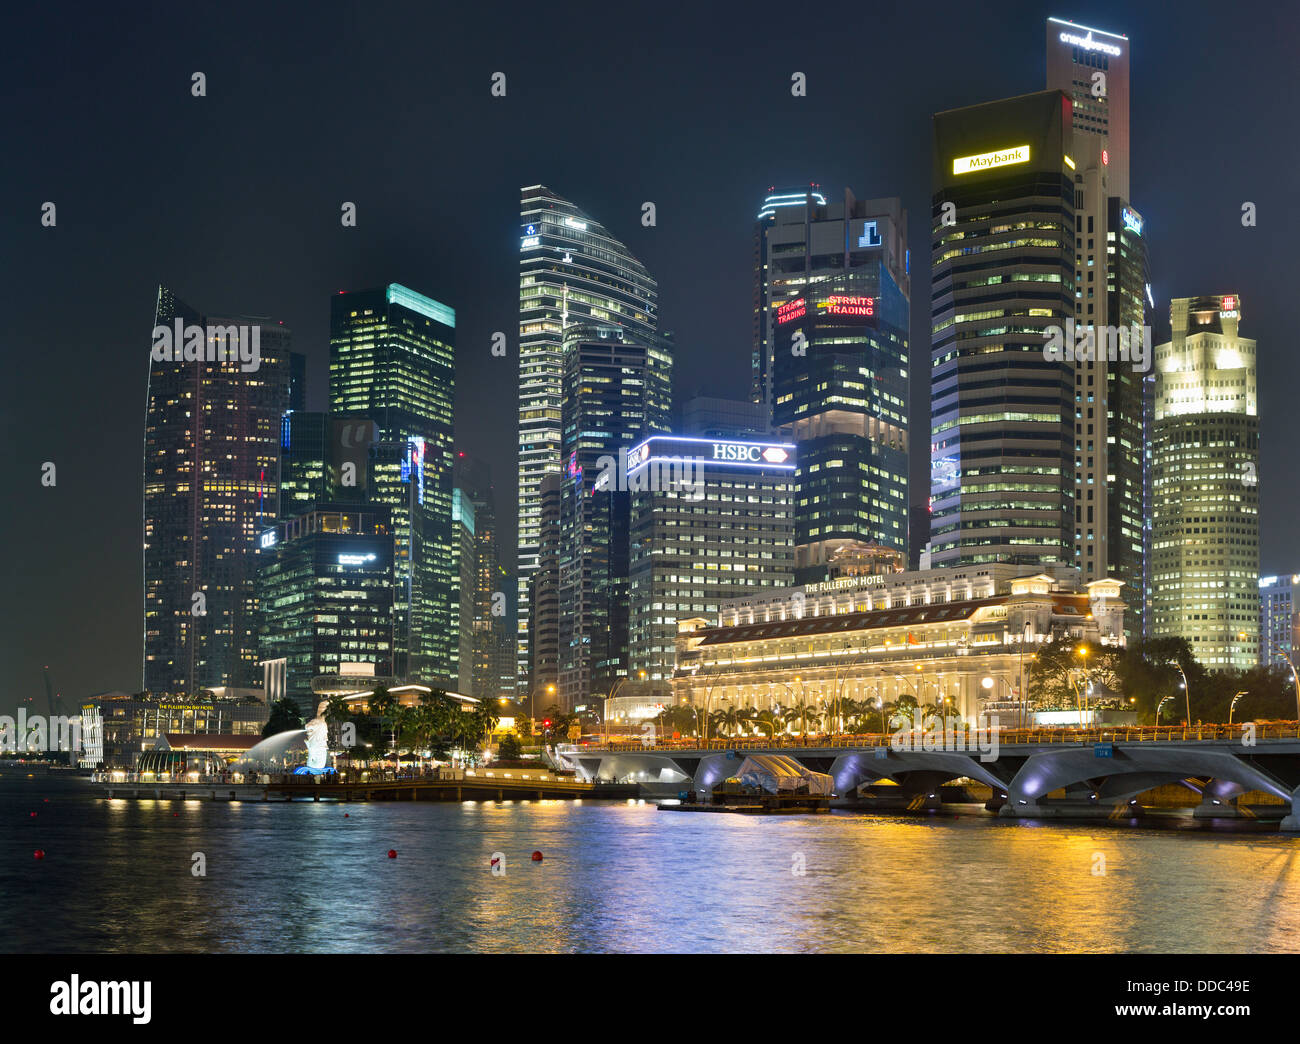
234 201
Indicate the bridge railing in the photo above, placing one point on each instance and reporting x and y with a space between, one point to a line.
1055 736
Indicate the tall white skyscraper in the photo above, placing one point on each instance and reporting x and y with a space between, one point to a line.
571 270
1205 484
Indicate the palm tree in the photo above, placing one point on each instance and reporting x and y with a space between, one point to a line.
850 711
902 711
770 721
383 705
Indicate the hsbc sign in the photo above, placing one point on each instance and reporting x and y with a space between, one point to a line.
736 451
749 453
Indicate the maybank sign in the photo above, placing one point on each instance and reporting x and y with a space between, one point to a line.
989 160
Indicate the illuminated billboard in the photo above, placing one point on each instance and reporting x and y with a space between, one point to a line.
795 309
988 160
848 304
732 452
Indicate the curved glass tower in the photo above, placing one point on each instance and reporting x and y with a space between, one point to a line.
571 270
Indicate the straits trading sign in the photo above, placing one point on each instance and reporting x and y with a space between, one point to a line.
844 304
989 160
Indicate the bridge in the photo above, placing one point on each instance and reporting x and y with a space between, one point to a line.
1029 773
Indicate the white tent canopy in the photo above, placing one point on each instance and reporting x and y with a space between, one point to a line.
776 773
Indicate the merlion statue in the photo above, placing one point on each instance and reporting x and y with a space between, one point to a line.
318 739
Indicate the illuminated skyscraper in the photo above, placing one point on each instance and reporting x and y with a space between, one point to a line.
1002 413
392 361
1278 623
727 531
211 485
326 589
1092 67
837 298
773 270
1110 272
492 643
571 270
1205 484
617 391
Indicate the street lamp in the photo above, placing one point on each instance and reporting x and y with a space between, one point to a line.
880 702
1160 706
532 702
988 681
841 676
1232 706
1187 691
1296 679
1082 651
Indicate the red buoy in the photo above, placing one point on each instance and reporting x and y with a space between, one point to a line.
537 857
39 854
346 815
392 853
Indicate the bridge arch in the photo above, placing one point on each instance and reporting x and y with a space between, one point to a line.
1128 772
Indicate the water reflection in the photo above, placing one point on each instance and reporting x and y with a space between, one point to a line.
620 877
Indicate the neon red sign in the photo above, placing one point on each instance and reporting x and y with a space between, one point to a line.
1229 303
795 309
838 304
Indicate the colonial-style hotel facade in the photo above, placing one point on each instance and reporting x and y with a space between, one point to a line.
964 636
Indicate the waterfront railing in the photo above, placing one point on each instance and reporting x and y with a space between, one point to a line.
1007 737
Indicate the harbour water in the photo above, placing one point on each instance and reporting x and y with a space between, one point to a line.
618 877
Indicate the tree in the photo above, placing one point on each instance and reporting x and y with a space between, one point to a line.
284 718
769 724
726 721
902 712
383 705
508 749
486 719
558 729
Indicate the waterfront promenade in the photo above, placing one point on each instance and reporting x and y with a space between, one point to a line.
441 784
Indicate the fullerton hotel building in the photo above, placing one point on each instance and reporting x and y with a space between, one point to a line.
960 639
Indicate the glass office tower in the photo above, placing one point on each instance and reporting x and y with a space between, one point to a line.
1002 412
725 531
327 594
392 362
837 294
571 270
617 391
211 485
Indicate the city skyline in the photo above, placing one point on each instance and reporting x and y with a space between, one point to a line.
712 327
